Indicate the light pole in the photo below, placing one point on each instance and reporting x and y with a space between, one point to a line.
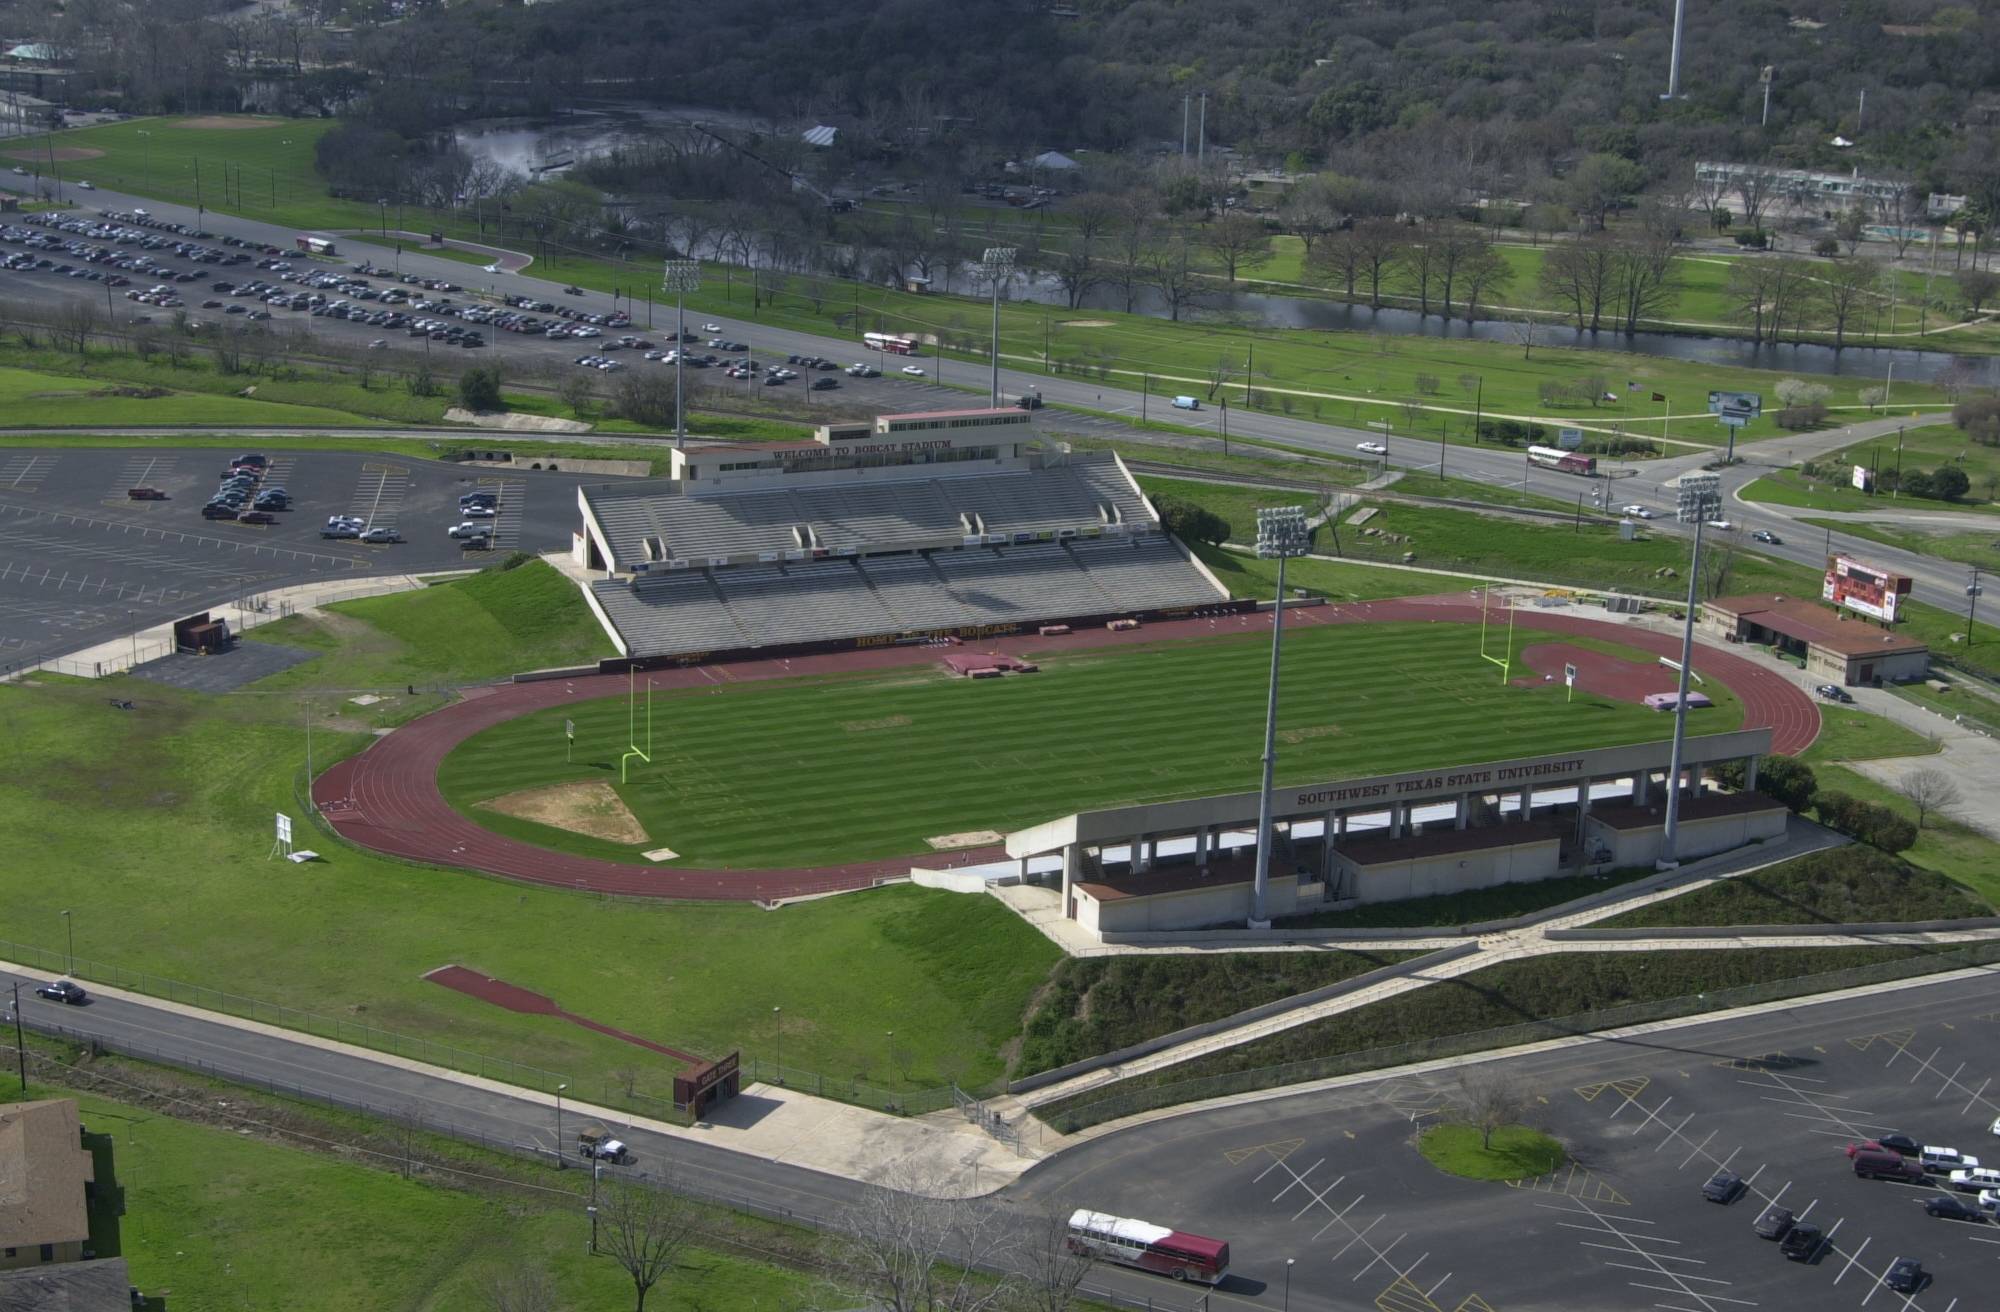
135 637
69 923
778 1020
1700 500
998 265
149 157
20 1044
681 277
1972 591
1281 534
383 205
596 1169
562 1158
1288 1283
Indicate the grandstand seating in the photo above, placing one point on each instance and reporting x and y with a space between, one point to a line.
811 602
1015 583
915 592
1143 573
670 613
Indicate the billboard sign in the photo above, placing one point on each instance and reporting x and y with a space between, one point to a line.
1569 675
1569 439
1864 589
1864 479
284 833
1722 403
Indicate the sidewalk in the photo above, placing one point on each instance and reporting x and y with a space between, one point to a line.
765 1121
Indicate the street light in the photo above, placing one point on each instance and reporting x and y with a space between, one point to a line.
596 1169
70 925
149 157
682 277
1700 500
562 1158
1281 534
998 265
383 204
1288 1283
778 1019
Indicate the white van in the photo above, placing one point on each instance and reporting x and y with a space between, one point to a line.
1186 403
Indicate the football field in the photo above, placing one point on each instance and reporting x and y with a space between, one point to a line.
821 770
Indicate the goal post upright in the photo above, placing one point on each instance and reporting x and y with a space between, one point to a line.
632 725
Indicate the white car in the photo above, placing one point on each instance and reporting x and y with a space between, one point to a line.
1372 448
469 529
379 344
914 370
711 327
1996 1125
477 511
1989 1201
1975 1179
1722 525
1636 512
87 186
492 268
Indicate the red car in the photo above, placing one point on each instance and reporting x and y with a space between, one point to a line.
145 494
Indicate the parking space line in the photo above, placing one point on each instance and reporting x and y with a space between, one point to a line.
1674 1134
1297 1179
1879 1286
1852 1258
1652 1115
1359 1236
1697 1150
1339 1217
1381 1255
1977 1095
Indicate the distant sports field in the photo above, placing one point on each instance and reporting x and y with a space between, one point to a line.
815 771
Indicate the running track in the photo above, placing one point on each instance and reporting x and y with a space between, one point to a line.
386 799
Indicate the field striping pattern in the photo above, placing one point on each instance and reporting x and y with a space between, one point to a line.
855 768
387 798
512 997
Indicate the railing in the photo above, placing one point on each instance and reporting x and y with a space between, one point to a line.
988 1120
1074 1116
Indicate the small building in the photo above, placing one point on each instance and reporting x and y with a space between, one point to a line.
103 1285
1834 648
820 137
1054 161
1707 824
45 1176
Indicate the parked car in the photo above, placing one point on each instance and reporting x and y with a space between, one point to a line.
477 510
468 529
1939 1160
1801 1242
1372 448
256 517
340 531
1774 1223
217 510
1722 1187
1898 1143
63 990
1636 512
1877 1164
1972 1179
1833 692
381 535
145 494
1906 1275
1953 1209
825 384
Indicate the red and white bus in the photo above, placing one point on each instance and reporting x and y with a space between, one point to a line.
1147 1246
311 245
1569 462
889 342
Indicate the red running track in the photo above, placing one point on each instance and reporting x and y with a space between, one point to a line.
386 799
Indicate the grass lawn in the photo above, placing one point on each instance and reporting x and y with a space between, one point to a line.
1957 702
170 808
1957 851
1173 720
1337 580
1345 376
1967 546
29 396
1846 885
1514 1152
1848 734
235 1220
1924 446
484 626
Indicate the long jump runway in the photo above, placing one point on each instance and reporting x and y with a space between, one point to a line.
386 799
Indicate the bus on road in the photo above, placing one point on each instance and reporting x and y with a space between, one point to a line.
311 245
1569 462
889 342
1147 1246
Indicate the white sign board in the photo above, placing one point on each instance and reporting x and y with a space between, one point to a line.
284 828
1569 439
569 730
1569 675
1864 478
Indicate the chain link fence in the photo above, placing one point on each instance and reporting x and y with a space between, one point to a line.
1075 1114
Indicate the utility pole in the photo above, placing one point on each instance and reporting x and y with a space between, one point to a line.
1201 148
1972 591
20 1044
1185 98
1674 59
998 263
1767 77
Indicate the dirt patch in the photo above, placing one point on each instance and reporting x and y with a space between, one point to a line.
970 838
228 122
886 722
62 153
527 1002
1308 732
1086 323
590 807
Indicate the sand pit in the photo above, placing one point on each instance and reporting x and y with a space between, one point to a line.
1086 323
63 154
970 838
592 809
228 122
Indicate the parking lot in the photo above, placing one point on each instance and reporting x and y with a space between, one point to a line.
81 562
1333 1182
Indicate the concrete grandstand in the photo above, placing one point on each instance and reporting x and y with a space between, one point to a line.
911 527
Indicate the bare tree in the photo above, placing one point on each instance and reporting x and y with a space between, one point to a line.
1750 295
1170 270
1491 1100
1524 328
76 323
1313 210
1335 261
1237 241
1579 276
1423 266
645 1229
574 391
1846 292
1755 189
1642 275
1487 271
1052 1271
1718 562
1378 253
1133 236
1928 791
1220 373
909 1250
521 1289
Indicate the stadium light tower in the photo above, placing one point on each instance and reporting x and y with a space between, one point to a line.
1699 500
682 277
1281 534
998 264
1674 58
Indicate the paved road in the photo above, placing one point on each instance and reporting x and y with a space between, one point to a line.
1210 1168
1649 483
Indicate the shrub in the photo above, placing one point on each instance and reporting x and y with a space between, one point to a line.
1756 239
1979 419
1789 780
1510 432
1949 483
1877 826
1827 247
1192 523
1915 482
1799 418
479 389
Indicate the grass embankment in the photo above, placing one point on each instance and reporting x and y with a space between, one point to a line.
1849 885
1847 733
1542 988
29 396
1336 580
1514 1152
1955 702
1362 698
1095 1005
484 626
1448 910
225 1216
1346 376
170 805
1924 446
1966 546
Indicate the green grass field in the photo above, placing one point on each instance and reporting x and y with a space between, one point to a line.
1336 580
1091 729
217 1219
1515 1153
1926 447
29 397
1966 546
1341 377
